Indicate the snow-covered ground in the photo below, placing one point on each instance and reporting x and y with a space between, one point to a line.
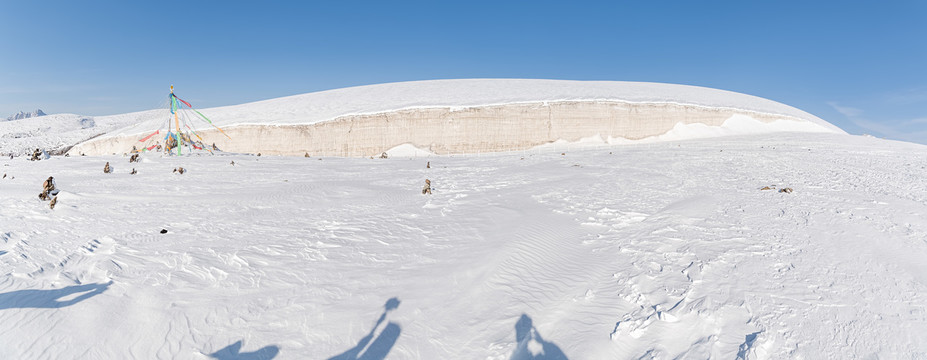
651 250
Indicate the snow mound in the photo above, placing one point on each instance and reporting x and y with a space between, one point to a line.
408 150
736 125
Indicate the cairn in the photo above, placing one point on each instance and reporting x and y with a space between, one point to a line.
427 188
48 189
107 169
49 184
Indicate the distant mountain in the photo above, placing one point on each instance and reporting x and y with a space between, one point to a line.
24 115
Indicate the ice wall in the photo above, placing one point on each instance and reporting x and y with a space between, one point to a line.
455 130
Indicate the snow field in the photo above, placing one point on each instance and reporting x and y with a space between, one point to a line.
658 250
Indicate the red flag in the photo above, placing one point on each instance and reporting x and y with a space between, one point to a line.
149 136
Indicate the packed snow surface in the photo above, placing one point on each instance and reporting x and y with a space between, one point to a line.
650 250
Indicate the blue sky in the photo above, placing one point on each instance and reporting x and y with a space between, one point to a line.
860 65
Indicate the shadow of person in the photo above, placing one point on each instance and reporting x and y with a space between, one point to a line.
231 352
531 346
51 298
379 347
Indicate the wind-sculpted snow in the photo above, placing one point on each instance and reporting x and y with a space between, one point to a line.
650 250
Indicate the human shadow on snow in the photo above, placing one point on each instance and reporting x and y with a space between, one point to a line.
369 348
232 352
531 346
50 298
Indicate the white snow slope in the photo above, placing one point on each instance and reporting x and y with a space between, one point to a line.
651 250
55 132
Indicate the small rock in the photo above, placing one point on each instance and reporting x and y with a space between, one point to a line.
164 231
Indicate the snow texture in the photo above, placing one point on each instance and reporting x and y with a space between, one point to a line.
653 250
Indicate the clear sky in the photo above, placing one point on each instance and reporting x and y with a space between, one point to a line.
862 65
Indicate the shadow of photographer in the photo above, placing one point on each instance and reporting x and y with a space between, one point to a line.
50 299
233 352
531 346
375 348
